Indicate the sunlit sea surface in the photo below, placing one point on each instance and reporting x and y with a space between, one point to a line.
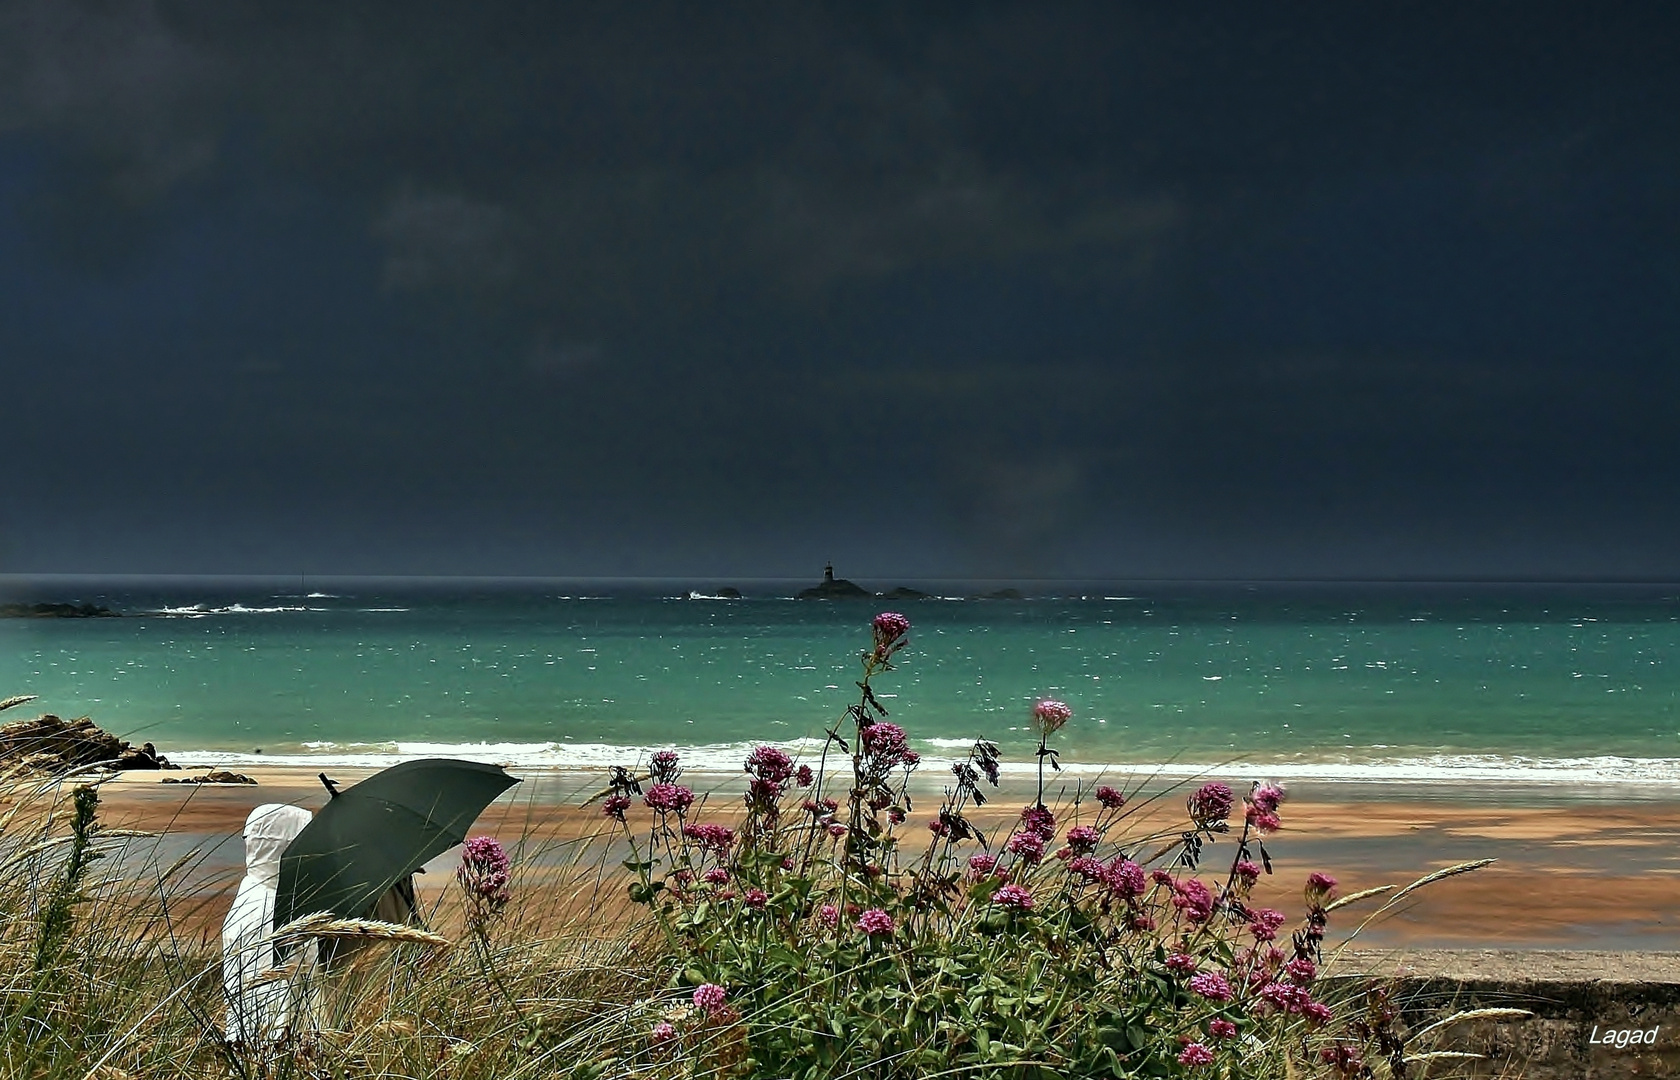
1573 684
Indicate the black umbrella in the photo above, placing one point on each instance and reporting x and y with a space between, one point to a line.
375 834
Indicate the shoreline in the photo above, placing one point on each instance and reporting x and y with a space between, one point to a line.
1606 773
1571 872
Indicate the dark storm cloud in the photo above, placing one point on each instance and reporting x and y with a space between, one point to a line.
615 288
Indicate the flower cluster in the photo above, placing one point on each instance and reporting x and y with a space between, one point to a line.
1110 798
888 744
1194 899
484 875
1262 809
770 769
1210 804
890 628
669 798
876 923
1082 839
1049 715
714 838
664 767
1013 896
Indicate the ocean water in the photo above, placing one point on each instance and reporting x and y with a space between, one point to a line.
1576 684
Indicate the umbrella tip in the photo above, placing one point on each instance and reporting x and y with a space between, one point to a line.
331 785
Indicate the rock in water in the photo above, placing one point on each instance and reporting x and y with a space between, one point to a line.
833 588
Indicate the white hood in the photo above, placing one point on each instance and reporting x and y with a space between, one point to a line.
268 829
259 1012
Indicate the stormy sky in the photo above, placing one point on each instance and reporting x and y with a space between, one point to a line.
942 290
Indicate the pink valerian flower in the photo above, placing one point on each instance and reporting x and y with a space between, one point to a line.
1110 798
1343 1058
876 923
1013 896
1285 997
1161 877
1263 821
1264 922
1210 803
1182 963
1028 847
1087 868
981 866
1083 839
1248 872
829 916
889 628
1124 878
755 898
1141 922
662 1032
615 806
1194 1055
669 798
1193 898
1039 821
1266 797
709 998
1301 970
1049 715
836 830
1220 1028
664 767
1212 985
804 777
896 815
1319 888
1317 1013
888 745
771 769
714 838
717 875
484 874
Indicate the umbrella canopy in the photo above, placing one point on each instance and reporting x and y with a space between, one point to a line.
373 835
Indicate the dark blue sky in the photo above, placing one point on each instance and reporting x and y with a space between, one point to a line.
1004 290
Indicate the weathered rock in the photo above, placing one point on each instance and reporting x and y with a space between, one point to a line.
214 776
48 742
146 757
51 744
904 593
56 611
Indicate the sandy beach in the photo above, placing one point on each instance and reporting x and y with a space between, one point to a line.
1573 873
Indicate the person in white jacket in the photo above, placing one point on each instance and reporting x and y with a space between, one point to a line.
260 1012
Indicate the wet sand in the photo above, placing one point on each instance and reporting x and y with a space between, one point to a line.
1576 870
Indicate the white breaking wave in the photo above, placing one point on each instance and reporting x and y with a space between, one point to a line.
727 758
200 611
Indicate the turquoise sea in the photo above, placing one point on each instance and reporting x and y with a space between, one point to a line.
1571 683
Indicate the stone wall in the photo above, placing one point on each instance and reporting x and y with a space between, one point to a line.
1572 995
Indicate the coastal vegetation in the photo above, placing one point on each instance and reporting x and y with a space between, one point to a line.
824 926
